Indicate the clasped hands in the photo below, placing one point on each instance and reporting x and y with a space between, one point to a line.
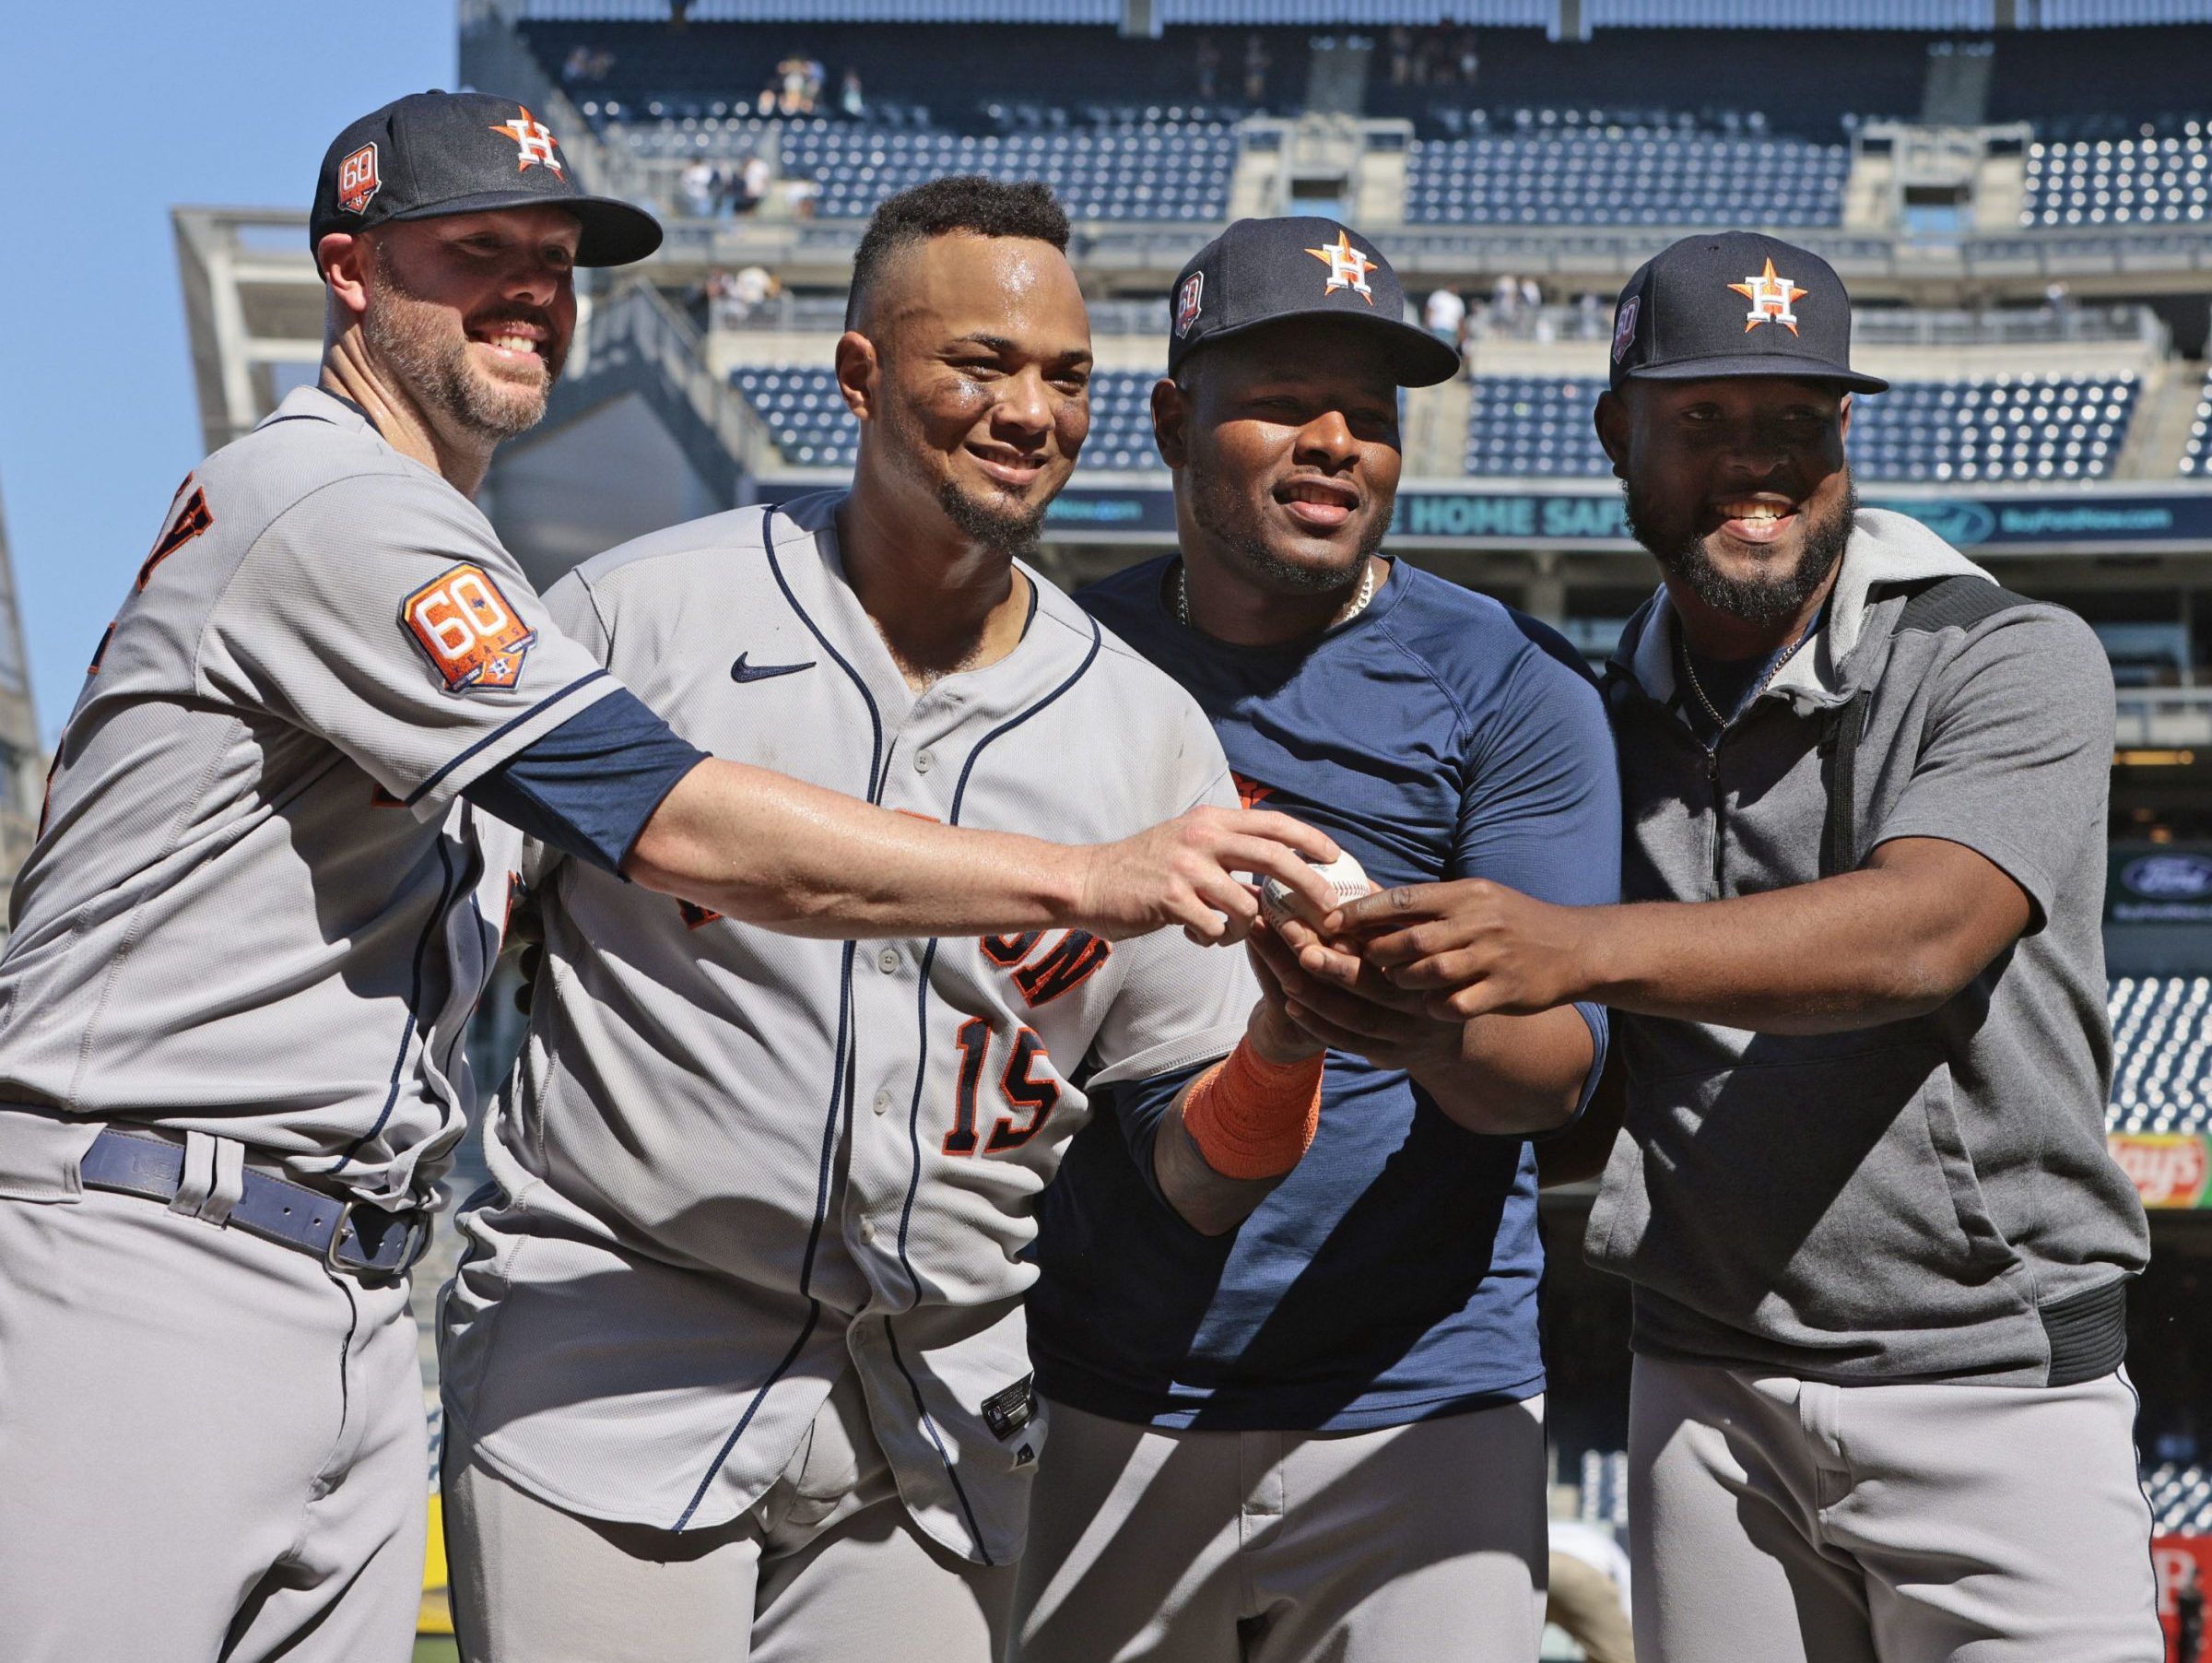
1396 976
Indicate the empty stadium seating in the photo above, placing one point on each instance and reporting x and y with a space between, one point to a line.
2145 180
2181 1498
1938 431
1138 170
2161 1078
2197 454
1604 1488
1625 177
807 418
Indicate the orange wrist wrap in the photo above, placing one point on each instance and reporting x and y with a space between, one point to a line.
1252 1118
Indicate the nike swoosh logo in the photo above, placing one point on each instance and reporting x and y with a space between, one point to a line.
742 671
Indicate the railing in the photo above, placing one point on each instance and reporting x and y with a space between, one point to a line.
640 328
2164 717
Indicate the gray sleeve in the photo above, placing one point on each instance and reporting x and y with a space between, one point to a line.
379 613
2016 762
1177 1003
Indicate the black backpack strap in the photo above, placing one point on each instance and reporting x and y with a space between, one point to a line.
1947 603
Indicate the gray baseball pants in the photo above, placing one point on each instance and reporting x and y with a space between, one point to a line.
211 1447
828 1567
1779 1520
1422 1542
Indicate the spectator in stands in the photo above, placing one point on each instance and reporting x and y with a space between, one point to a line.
1469 58
849 98
2189 1616
695 185
1258 60
749 184
1446 316
1208 60
1879 1251
1401 54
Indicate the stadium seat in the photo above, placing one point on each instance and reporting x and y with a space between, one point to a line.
2197 454
2149 180
1140 169
2161 1078
1625 175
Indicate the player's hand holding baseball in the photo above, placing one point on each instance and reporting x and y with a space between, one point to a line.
1184 872
1356 1009
1464 949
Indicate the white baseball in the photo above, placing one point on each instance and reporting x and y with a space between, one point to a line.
1343 875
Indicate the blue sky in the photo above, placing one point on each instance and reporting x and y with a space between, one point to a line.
113 113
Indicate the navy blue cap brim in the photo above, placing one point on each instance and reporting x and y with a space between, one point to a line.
1778 365
1413 356
615 233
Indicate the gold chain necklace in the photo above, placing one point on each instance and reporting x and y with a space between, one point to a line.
1367 593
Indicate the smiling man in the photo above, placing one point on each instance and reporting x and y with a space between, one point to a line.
268 887
1880 1254
1322 1435
738 1364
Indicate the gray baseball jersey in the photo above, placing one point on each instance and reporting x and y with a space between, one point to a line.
254 908
736 1164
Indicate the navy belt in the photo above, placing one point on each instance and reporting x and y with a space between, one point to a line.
352 1240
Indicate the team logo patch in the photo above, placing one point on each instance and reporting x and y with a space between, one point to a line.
1251 794
474 638
1770 297
357 179
1347 266
1624 327
1186 303
532 140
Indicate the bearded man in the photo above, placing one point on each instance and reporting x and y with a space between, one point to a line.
267 891
1880 1253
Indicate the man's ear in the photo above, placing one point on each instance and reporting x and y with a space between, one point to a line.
1612 422
1844 426
1170 422
858 373
344 259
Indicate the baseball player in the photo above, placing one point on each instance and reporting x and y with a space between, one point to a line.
735 1364
1880 1254
1322 1436
259 912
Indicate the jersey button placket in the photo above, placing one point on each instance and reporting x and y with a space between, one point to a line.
888 961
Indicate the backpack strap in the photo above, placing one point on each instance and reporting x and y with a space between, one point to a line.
1947 603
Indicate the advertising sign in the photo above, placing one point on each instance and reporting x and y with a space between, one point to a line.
2168 1169
2159 883
2173 1555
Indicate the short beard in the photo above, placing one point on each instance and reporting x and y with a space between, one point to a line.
429 356
1763 600
1010 531
1004 527
1226 517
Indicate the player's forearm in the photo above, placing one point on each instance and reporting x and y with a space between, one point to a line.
1512 1074
1850 952
1241 1127
1208 1203
772 851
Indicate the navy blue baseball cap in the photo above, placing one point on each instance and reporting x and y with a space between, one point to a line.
1263 271
431 154
1735 304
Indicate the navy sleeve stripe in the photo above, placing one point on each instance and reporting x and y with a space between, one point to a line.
589 786
493 738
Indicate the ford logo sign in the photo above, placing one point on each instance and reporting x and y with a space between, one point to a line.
2168 877
1961 523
